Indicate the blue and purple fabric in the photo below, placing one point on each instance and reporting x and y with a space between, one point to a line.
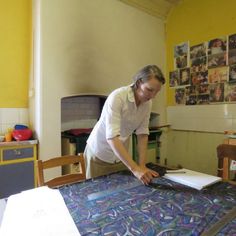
165 208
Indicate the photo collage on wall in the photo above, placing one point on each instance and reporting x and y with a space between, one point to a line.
205 73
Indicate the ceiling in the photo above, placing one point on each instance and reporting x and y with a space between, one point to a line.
157 8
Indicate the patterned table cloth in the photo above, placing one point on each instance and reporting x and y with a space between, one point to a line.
165 208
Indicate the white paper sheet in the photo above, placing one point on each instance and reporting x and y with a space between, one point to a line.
193 179
37 212
3 204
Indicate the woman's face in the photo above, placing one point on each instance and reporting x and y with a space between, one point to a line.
147 90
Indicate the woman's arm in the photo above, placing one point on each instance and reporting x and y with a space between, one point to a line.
141 172
142 148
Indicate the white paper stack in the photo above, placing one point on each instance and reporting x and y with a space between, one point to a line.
193 179
3 204
39 212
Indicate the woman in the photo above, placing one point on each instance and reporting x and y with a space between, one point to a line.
126 110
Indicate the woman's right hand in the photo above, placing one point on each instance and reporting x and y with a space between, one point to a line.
144 174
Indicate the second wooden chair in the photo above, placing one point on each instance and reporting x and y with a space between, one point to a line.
225 154
59 162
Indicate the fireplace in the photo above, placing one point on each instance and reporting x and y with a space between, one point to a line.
79 114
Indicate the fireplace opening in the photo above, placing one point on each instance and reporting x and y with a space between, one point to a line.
79 114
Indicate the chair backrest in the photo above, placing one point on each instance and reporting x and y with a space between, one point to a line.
59 162
225 153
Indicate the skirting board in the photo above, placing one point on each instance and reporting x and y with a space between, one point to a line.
204 118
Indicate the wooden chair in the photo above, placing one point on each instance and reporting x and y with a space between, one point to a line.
225 153
59 162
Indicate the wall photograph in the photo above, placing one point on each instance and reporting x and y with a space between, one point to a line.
205 73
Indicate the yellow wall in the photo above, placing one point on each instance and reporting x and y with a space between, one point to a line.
196 22
15 52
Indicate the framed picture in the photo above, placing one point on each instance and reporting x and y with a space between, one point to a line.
218 75
232 73
206 72
180 96
174 78
199 78
184 76
232 57
230 92
198 64
217 45
217 92
199 50
232 41
181 50
217 60
181 55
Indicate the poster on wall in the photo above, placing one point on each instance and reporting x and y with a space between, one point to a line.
232 41
217 92
217 60
203 89
217 45
180 96
232 49
198 57
181 54
217 75
191 95
217 52
199 78
232 73
198 64
184 78
232 57
230 92
203 99
174 78
191 100
199 50
205 73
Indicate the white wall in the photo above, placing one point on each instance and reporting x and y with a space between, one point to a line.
90 46
194 150
9 117
215 118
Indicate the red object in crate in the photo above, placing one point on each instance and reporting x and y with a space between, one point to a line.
77 132
22 134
